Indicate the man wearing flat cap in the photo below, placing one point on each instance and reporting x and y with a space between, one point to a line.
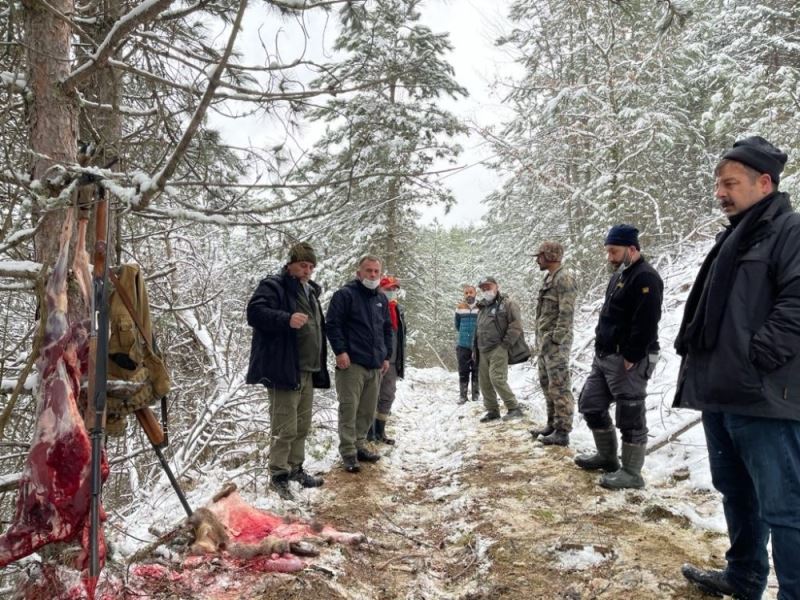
288 355
740 344
555 312
626 351
498 335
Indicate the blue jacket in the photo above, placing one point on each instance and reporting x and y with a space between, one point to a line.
274 359
466 317
358 323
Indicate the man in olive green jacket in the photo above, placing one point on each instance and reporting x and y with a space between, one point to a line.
498 328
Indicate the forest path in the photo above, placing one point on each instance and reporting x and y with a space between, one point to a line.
463 510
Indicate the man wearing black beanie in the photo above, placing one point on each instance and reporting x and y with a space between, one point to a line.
626 350
740 343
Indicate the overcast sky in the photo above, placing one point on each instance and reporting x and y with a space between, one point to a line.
473 26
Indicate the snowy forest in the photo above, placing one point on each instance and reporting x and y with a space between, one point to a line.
617 112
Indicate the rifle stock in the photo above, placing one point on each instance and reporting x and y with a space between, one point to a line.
149 423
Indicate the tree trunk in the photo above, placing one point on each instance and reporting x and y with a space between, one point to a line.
52 124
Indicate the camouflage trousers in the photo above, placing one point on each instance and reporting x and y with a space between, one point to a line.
554 377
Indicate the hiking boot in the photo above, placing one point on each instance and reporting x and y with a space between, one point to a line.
556 438
280 485
630 475
713 583
380 433
365 455
606 456
350 464
514 413
491 415
304 479
542 431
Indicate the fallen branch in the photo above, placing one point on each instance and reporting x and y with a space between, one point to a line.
670 436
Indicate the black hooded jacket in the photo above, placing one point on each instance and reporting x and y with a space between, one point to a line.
274 357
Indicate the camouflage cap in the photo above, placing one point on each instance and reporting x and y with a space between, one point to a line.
551 251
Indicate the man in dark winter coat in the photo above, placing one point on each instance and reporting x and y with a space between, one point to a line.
740 343
360 332
288 355
626 350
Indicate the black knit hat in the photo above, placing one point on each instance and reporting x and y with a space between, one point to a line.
757 153
622 235
302 252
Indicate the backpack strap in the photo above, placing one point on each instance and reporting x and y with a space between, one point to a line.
123 295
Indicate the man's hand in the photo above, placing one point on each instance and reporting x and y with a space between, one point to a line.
297 320
384 367
342 360
628 365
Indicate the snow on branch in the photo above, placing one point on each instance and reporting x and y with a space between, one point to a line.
142 13
20 269
161 178
14 82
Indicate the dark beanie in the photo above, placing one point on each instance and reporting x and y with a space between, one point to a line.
302 252
757 153
623 235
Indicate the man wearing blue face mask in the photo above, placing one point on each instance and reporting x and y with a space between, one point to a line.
498 330
359 329
466 317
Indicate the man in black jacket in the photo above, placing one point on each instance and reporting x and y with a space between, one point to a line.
360 332
740 343
288 355
626 350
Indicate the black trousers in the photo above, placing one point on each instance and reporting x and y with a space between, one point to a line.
609 383
467 368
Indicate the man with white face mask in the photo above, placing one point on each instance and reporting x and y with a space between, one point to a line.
359 329
626 350
498 329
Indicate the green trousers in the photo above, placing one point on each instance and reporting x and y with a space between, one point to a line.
493 378
290 422
357 389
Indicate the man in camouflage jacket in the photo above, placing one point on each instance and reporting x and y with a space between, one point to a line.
554 315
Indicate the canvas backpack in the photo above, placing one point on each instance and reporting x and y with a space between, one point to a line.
132 352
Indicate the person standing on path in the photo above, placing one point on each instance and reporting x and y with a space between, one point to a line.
498 328
555 313
740 345
626 351
466 317
390 286
359 329
288 355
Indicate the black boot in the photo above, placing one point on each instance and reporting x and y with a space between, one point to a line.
606 456
280 484
365 455
542 431
555 438
304 479
462 391
371 433
476 391
710 582
380 433
491 415
350 464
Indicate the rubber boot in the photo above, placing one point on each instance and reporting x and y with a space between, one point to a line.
280 484
476 394
380 433
606 456
462 391
371 433
630 475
